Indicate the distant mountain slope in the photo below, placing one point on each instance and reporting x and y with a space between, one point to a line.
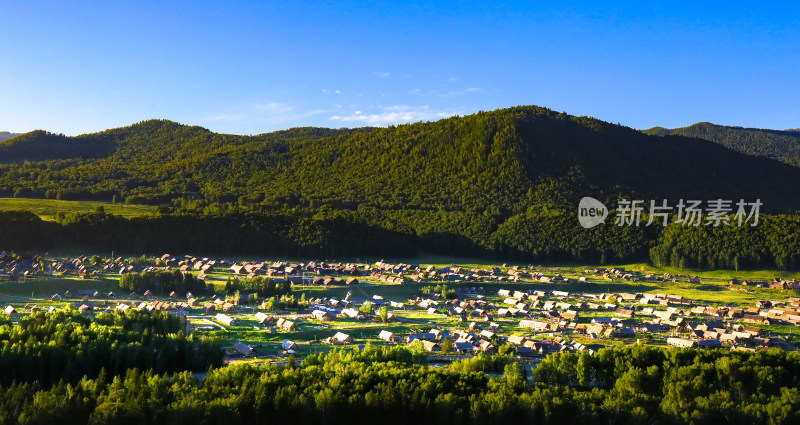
783 145
5 135
147 141
501 162
40 145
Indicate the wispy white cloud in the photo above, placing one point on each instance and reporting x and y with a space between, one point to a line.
445 94
462 92
274 107
268 112
396 114
226 117
381 74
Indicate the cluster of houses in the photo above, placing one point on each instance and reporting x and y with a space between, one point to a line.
88 307
82 266
218 304
13 313
398 269
326 273
718 333
634 276
388 278
295 272
87 295
335 305
483 340
330 280
707 326
325 309
461 274
188 263
273 322
776 283
92 267
623 315
413 272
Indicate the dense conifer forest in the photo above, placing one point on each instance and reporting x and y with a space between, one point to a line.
620 385
64 346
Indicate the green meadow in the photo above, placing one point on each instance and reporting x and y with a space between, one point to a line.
48 208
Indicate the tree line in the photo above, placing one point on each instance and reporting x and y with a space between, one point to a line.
541 235
631 385
164 282
67 346
264 287
775 242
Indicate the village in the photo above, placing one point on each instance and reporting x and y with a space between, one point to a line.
448 310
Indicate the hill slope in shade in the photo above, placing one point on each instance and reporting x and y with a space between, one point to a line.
779 145
500 162
5 135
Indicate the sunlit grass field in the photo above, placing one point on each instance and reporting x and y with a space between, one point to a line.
48 208
41 288
566 268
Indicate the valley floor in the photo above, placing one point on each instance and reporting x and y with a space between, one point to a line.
489 306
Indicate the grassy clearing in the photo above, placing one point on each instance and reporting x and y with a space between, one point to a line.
48 208
715 275
42 288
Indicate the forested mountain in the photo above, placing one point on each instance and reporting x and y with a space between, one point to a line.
509 159
504 184
40 145
783 145
4 135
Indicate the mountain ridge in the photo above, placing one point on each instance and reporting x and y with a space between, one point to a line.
511 159
780 145
6 135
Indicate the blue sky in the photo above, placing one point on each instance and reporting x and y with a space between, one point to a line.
251 67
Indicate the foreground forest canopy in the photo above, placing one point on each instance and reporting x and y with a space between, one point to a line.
632 385
501 184
65 346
